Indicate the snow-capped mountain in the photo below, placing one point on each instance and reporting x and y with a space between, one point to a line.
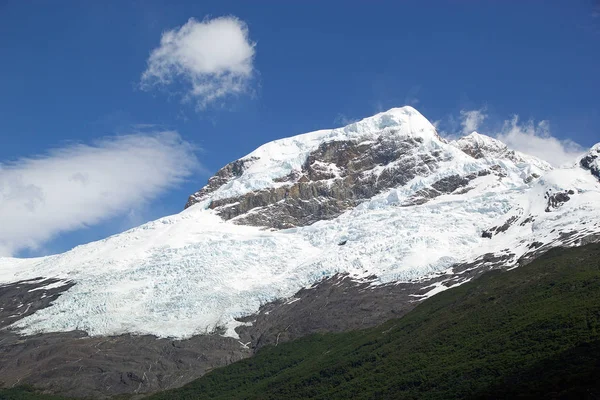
384 199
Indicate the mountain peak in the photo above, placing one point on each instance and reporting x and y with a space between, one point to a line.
316 176
401 120
272 164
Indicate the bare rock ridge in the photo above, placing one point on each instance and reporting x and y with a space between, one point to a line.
340 174
334 178
224 175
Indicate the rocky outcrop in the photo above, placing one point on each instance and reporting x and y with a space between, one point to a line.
591 161
77 365
489 233
224 175
335 177
481 146
21 299
556 200
448 185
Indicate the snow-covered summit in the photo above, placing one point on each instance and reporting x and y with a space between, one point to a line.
264 166
401 121
318 175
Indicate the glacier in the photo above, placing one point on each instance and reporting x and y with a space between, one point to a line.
193 272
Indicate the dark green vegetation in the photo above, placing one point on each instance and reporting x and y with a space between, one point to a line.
533 332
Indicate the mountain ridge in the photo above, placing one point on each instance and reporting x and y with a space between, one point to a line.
338 163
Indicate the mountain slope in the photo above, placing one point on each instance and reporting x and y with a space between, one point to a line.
325 231
407 204
533 332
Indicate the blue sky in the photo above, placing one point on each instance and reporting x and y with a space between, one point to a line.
72 74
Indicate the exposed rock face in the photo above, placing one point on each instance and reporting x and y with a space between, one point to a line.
501 228
224 175
481 146
591 161
74 364
338 175
555 200
450 184
335 177
23 298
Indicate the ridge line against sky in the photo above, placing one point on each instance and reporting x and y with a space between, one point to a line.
219 83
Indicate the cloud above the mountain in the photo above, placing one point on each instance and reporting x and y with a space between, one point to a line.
471 120
536 140
83 184
212 59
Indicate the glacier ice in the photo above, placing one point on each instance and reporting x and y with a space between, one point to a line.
188 273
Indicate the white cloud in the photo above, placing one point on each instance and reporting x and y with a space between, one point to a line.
214 57
536 140
80 185
471 120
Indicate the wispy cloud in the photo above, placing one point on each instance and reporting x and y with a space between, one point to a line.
81 185
411 97
536 140
471 120
213 58
343 119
